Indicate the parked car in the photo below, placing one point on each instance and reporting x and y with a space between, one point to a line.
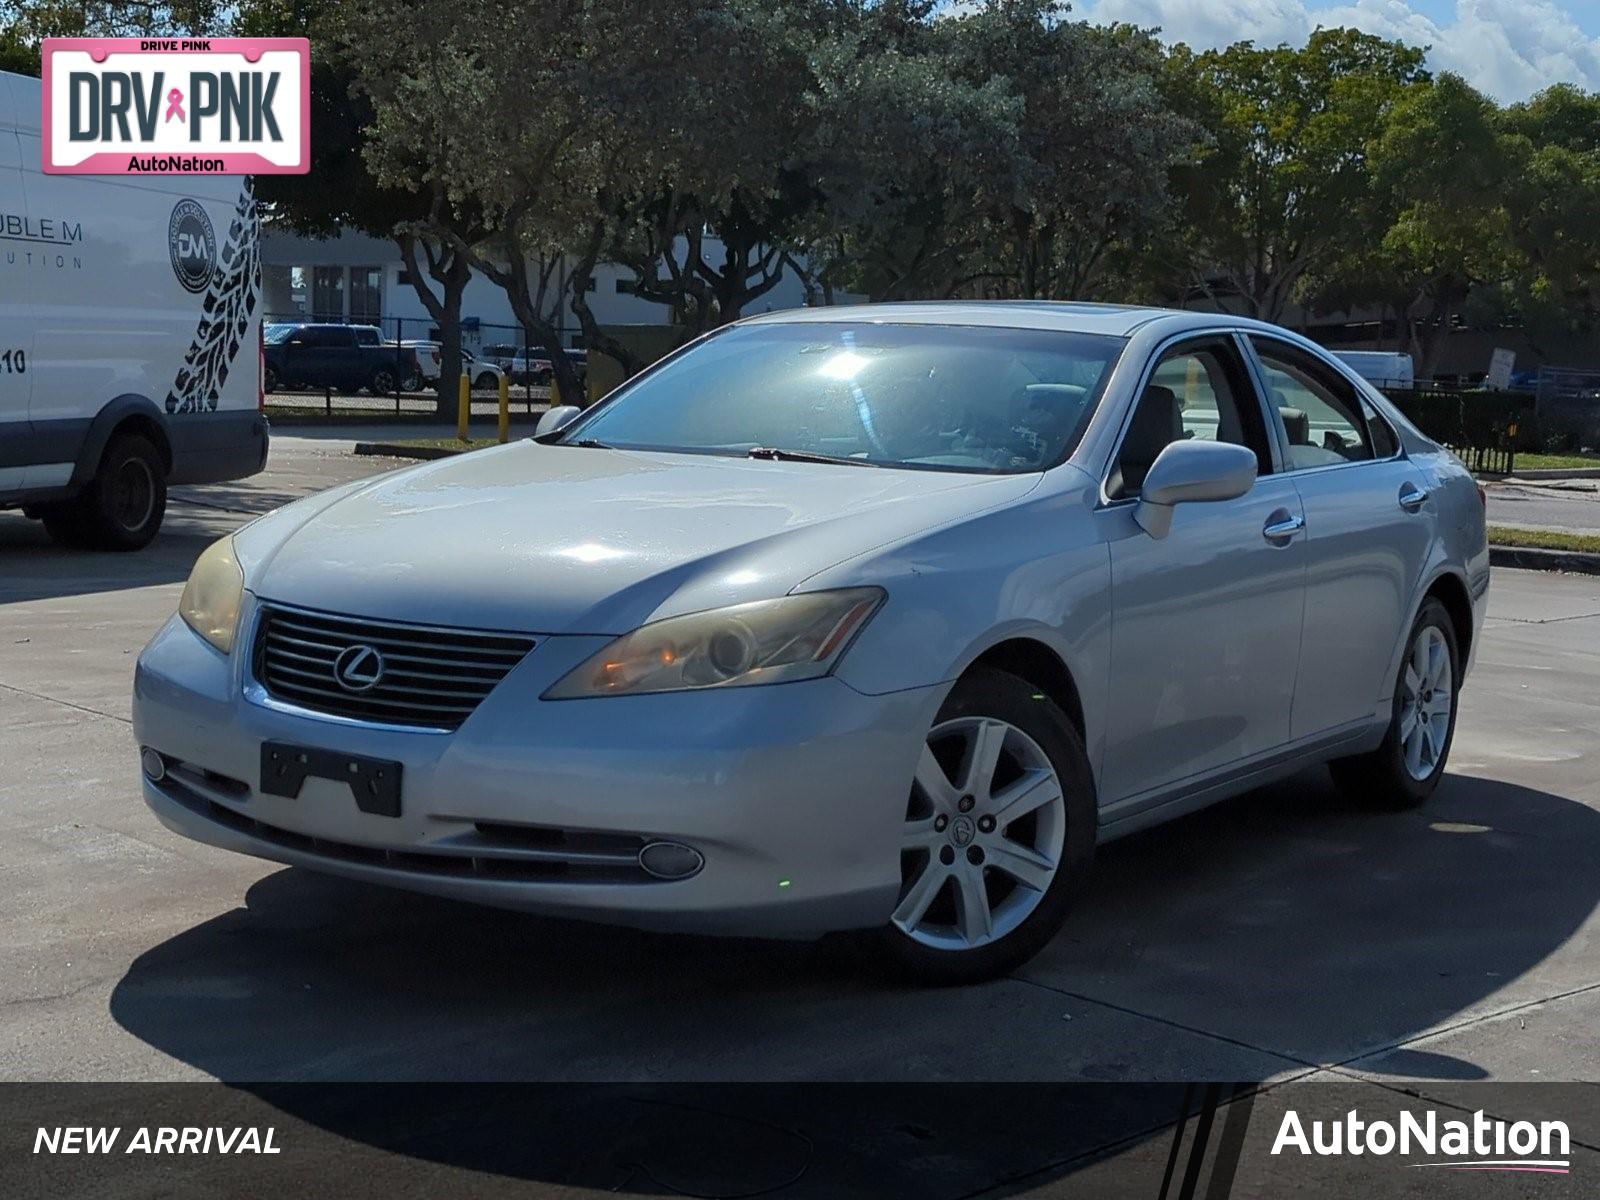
482 374
345 357
129 334
837 619
533 366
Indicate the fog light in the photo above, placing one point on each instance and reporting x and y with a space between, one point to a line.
155 767
669 860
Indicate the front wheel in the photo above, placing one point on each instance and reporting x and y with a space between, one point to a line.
486 381
1403 771
999 833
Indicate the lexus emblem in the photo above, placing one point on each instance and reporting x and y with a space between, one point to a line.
358 668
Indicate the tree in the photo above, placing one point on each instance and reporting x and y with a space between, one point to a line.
1553 209
1285 184
524 126
1095 143
1439 169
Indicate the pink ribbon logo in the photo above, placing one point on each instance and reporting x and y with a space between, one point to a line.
175 106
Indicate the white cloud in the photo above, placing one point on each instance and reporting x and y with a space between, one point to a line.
1507 48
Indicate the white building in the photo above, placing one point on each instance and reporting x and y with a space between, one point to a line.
355 277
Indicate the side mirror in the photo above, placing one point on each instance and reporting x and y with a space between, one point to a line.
1191 472
555 419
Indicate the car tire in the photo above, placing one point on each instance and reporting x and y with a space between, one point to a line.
123 506
414 382
955 824
382 382
1403 771
269 379
486 381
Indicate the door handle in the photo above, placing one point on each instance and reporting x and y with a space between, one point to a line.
1412 498
1283 527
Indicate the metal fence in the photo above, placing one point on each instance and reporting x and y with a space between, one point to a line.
412 395
1481 427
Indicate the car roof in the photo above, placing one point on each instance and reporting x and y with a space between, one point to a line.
1115 320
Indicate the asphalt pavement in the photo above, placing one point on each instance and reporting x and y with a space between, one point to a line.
1284 935
1564 504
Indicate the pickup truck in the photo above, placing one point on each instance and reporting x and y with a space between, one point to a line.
346 358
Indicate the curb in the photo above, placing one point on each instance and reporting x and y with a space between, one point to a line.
393 450
1555 473
1529 559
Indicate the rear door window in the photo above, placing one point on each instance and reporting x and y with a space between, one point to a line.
1320 410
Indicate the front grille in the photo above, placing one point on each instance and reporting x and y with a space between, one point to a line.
431 678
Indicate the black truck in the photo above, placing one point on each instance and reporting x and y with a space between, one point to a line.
346 358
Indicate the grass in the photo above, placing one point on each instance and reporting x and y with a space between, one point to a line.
1555 462
1544 539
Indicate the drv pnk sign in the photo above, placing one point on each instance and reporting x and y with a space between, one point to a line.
177 106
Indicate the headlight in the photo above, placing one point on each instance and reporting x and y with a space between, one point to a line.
769 641
210 601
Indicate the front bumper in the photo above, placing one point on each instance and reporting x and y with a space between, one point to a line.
794 794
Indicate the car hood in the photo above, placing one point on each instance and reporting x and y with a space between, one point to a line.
554 539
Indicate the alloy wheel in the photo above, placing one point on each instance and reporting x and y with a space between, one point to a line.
983 836
1425 704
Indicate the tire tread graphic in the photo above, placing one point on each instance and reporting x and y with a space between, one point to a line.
229 301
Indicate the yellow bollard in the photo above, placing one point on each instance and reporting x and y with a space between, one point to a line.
505 410
555 390
463 407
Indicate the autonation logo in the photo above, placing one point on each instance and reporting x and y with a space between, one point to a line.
1481 1143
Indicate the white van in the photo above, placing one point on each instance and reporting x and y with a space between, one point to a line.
130 330
1380 368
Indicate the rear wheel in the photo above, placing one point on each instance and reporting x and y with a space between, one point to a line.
999 833
1404 770
123 505
382 382
486 381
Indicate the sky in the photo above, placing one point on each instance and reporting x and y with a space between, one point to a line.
1508 49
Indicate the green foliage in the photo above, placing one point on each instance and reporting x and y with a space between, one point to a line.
905 149
1286 185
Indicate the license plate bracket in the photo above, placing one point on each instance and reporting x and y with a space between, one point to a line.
374 782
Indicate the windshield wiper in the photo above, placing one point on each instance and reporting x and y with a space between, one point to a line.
588 444
779 455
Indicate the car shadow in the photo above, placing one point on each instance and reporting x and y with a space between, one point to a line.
1287 920
1296 919
33 567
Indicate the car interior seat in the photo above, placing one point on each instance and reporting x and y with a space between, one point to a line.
1157 423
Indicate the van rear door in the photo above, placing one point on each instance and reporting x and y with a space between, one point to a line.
16 312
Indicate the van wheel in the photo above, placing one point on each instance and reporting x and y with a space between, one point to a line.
999 834
123 505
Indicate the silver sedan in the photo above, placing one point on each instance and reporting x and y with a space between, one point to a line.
868 619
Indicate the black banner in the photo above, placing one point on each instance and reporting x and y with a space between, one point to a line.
740 1141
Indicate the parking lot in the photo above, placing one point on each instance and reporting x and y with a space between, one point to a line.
1280 935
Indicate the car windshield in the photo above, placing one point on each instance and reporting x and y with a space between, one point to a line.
276 335
934 397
